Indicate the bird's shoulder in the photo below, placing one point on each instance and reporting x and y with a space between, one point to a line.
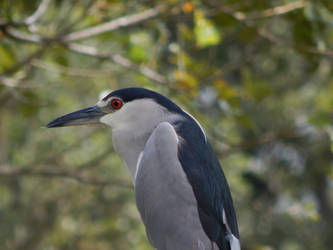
159 156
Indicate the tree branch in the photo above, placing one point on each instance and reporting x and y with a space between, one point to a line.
14 83
268 137
30 19
279 10
247 18
38 53
38 13
21 36
114 24
90 51
52 67
118 59
8 171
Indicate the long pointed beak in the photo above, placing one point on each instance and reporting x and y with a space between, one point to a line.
89 115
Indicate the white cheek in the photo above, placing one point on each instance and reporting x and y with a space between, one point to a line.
106 119
139 116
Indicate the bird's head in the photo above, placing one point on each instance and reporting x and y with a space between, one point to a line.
124 109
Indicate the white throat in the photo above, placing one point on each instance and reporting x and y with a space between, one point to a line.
131 127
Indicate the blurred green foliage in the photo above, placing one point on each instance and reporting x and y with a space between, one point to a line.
256 74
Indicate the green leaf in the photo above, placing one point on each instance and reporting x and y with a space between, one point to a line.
28 104
186 81
140 46
226 92
206 34
256 89
319 119
7 57
245 121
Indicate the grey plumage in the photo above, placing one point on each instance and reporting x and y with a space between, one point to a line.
167 213
180 189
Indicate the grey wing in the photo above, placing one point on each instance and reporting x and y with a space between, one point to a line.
165 198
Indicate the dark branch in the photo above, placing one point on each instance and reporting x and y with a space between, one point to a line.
114 24
287 134
52 67
38 53
92 51
7 171
21 36
38 13
14 83
276 11
30 20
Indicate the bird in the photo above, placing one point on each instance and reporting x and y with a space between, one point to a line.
180 189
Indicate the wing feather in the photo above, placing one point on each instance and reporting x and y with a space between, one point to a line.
209 184
165 198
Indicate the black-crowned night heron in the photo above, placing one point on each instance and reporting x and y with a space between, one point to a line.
180 189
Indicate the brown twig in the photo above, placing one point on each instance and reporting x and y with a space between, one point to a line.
118 59
55 156
94 161
114 24
68 71
38 13
99 29
276 11
247 19
14 83
38 53
21 36
279 10
30 20
90 51
8 171
259 141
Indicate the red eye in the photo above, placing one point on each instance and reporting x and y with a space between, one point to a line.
116 103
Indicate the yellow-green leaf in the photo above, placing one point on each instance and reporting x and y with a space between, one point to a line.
206 34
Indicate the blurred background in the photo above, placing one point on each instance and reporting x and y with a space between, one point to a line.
257 74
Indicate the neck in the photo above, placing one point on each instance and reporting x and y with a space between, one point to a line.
131 141
129 145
